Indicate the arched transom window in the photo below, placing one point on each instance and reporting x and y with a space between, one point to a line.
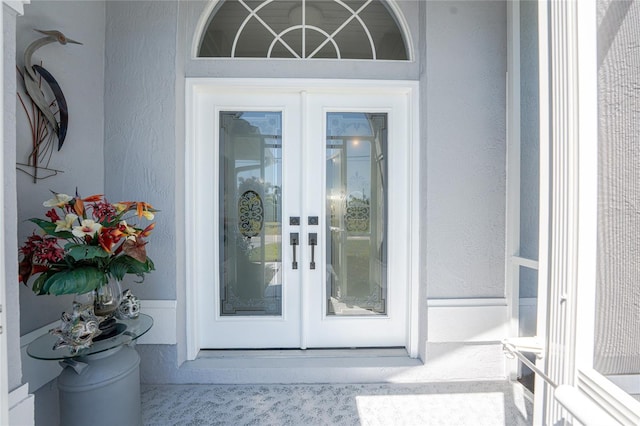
303 29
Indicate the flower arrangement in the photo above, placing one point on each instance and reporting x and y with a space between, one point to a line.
86 241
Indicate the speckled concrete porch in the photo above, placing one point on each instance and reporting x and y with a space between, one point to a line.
453 404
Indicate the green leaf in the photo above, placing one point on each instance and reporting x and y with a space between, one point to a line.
83 252
122 265
74 281
50 228
38 284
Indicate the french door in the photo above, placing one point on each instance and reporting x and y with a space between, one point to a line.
307 193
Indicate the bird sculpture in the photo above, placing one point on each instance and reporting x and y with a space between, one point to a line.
33 85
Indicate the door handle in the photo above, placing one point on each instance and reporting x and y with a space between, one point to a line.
294 241
313 242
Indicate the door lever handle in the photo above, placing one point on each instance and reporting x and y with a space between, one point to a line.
294 240
313 242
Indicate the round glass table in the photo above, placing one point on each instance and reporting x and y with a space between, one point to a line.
99 385
129 331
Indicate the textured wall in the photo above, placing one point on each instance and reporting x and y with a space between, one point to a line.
465 147
140 126
80 72
618 295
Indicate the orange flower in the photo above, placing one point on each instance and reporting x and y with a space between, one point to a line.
78 206
123 206
147 231
109 237
145 209
92 198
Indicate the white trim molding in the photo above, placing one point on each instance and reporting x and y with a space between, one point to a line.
21 407
17 5
467 320
164 331
615 401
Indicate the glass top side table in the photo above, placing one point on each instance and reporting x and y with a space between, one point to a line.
42 347
109 370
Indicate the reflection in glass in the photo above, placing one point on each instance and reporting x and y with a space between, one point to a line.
250 213
356 149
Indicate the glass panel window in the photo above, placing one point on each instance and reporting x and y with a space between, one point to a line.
356 213
250 212
303 29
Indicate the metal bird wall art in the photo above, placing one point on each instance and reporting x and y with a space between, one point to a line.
47 101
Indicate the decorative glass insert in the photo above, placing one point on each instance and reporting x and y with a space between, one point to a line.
250 213
303 29
356 206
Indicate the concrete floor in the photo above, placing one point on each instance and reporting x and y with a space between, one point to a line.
452 404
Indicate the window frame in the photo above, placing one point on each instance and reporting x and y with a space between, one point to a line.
392 6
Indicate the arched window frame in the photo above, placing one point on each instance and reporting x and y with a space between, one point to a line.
211 9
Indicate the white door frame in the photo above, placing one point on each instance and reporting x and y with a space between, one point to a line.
195 87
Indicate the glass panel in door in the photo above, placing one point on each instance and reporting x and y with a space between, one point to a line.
356 214
357 297
250 213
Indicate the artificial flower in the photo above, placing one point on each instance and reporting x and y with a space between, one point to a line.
58 200
53 215
93 242
87 228
135 247
144 209
67 223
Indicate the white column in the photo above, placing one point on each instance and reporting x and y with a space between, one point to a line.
572 171
15 407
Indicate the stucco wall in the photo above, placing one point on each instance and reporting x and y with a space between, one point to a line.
140 127
465 148
80 72
618 293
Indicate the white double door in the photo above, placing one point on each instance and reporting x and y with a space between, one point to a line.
310 207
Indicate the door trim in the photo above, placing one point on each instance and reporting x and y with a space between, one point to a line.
194 188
